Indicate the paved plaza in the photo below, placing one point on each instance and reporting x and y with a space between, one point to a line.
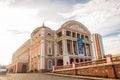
35 76
47 76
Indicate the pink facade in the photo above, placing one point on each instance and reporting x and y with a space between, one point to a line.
48 48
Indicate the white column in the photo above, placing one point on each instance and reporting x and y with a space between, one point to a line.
64 32
55 45
55 62
71 33
88 50
65 52
42 54
76 35
64 43
42 57
91 51
101 46
93 48
84 37
55 48
85 50
56 52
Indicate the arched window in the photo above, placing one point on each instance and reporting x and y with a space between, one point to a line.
49 48
49 64
49 34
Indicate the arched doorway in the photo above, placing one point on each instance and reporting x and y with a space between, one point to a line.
24 68
71 60
59 62
77 61
81 60
11 70
89 59
85 60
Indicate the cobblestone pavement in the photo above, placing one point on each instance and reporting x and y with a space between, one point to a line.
35 76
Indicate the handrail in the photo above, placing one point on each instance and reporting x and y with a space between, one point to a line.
88 63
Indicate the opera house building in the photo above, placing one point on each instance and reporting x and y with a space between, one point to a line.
46 48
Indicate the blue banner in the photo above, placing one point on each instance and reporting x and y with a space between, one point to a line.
80 49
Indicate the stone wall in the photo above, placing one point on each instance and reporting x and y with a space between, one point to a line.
107 71
108 68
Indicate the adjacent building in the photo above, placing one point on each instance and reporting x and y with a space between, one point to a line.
20 59
3 69
97 45
71 43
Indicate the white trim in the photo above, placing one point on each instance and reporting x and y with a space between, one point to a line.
42 54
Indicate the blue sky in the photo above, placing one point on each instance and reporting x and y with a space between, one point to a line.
18 18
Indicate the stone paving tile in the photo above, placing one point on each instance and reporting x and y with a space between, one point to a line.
82 77
36 76
2 77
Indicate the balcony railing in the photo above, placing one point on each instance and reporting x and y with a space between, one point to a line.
116 59
104 61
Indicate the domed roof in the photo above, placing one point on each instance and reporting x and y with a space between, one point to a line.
35 31
38 28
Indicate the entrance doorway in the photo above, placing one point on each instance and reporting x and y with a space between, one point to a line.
71 60
59 62
24 68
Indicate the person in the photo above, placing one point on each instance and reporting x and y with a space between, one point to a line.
67 63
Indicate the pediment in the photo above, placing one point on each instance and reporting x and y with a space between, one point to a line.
74 25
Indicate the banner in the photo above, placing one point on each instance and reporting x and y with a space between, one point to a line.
80 49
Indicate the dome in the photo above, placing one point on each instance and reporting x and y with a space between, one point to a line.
35 31
38 29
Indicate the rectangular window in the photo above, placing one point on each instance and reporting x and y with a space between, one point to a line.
78 35
68 33
73 34
82 36
59 34
86 38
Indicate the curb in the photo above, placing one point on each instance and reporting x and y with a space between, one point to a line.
81 77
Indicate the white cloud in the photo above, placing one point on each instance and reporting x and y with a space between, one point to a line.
102 16
96 15
18 32
46 10
9 44
112 44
